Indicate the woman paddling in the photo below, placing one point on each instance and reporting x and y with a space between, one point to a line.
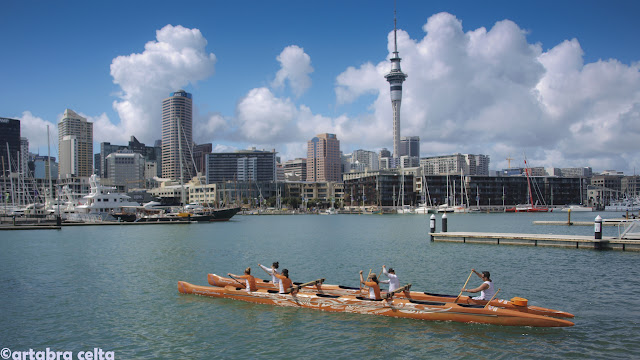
273 271
285 282
374 287
486 289
393 281
249 279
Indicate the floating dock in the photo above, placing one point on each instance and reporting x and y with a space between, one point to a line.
566 241
29 227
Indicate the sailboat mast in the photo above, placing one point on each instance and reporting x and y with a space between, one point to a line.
526 171
49 162
10 177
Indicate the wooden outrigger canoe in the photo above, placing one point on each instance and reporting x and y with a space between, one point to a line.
217 280
398 307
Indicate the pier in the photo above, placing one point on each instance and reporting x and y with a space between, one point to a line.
566 241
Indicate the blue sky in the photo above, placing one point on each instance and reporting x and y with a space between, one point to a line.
509 92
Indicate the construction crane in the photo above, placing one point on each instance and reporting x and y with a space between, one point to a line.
509 158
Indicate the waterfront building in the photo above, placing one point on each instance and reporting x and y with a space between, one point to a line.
242 165
379 188
410 146
395 78
177 135
323 158
202 193
613 184
126 170
322 191
630 185
456 164
296 168
151 154
75 145
9 136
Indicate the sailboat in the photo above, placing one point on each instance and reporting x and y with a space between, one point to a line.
423 208
530 207
192 212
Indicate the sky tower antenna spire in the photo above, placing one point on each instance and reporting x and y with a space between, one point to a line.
395 78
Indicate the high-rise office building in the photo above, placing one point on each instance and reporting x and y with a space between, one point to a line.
410 146
126 169
395 78
75 151
9 136
150 154
323 158
177 135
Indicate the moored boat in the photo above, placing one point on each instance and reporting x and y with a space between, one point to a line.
516 305
395 307
574 208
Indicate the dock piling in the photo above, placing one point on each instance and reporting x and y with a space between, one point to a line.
444 222
432 225
598 228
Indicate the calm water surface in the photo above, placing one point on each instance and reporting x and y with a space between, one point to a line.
115 288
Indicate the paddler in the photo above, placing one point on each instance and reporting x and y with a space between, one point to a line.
285 282
393 281
273 271
249 279
486 289
372 283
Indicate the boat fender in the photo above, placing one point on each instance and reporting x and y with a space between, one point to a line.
518 301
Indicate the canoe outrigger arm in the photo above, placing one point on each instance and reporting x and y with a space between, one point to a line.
400 289
298 287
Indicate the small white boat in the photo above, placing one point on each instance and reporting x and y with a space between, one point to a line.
405 209
424 209
445 208
577 208
329 211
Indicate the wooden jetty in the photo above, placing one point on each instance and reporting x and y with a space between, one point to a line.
567 241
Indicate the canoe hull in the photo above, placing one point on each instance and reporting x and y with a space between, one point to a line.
217 280
400 308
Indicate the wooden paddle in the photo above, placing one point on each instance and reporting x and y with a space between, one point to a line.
494 295
367 279
297 287
241 284
400 289
464 286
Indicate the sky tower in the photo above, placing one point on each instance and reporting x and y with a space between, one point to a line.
395 78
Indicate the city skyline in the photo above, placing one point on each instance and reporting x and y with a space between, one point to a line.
501 79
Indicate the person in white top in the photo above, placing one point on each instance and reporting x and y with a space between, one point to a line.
393 281
486 289
273 271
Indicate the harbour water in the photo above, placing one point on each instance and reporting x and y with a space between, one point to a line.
115 288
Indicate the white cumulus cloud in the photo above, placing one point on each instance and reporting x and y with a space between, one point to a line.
295 67
175 59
